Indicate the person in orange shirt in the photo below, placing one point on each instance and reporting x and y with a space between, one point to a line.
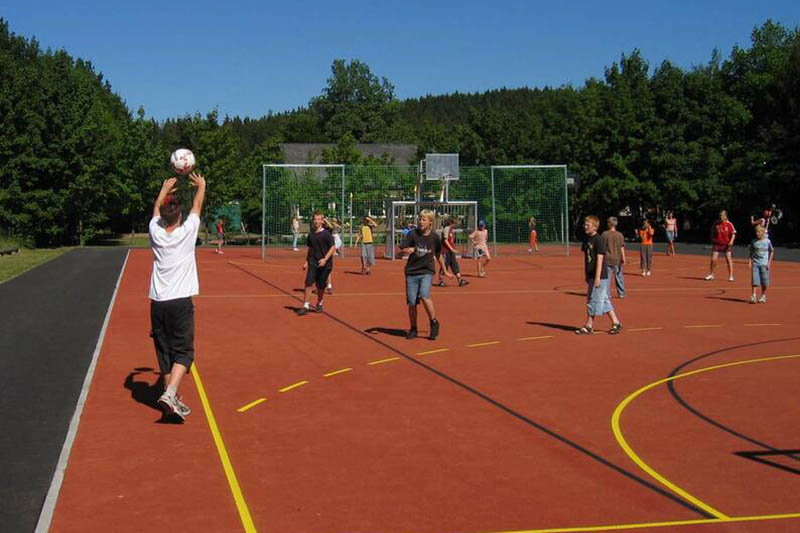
646 250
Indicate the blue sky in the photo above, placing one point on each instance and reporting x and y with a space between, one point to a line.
248 57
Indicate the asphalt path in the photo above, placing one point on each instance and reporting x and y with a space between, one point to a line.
51 320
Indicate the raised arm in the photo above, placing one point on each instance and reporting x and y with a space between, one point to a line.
167 188
199 197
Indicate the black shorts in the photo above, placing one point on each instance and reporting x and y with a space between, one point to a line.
316 275
451 262
172 323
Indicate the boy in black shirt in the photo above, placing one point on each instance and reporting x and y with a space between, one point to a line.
421 245
319 262
598 302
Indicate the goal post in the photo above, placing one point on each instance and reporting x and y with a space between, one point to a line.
294 191
403 213
526 197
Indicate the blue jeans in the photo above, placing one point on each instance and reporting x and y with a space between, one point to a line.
760 276
597 300
619 277
417 287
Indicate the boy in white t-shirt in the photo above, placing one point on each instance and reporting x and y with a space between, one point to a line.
172 285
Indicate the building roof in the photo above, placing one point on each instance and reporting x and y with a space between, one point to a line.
299 153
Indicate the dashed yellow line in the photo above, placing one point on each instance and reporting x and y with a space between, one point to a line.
337 372
381 361
759 325
429 352
250 405
293 386
645 329
704 326
535 338
476 345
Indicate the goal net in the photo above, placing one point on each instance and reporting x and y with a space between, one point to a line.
404 215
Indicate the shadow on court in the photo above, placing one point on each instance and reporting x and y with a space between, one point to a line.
562 327
146 394
387 331
727 299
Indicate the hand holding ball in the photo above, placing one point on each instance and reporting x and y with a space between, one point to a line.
182 161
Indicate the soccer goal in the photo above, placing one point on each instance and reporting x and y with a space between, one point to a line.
403 217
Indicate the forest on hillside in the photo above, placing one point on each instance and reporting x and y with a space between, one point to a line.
75 161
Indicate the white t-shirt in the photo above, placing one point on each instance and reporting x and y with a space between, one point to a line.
174 269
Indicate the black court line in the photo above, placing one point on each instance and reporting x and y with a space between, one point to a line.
51 320
673 391
602 460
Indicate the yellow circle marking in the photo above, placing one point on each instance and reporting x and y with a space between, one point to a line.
615 426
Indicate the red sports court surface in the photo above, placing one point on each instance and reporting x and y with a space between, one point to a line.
687 421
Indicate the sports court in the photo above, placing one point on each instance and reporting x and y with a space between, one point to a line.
687 421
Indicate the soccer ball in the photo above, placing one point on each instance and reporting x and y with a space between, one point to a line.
182 161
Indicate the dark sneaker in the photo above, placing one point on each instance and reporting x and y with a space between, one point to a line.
462 282
434 329
412 334
318 308
302 311
615 329
585 330
440 283
329 290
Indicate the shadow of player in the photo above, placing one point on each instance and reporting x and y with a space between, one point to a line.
563 327
388 331
147 394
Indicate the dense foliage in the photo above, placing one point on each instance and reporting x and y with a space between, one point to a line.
74 160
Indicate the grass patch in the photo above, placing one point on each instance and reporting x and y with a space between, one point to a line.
12 266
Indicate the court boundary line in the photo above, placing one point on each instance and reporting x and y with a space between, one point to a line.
51 499
552 433
222 451
615 427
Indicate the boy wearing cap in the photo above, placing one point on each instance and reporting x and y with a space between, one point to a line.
172 285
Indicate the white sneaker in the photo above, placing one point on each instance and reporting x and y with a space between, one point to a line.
763 299
295 249
183 409
730 278
753 299
648 272
169 405
709 277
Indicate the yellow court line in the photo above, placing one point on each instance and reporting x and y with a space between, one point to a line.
293 386
615 427
227 466
535 338
335 372
381 361
250 405
621 527
645 329
704 326
482 344
429 352
757 325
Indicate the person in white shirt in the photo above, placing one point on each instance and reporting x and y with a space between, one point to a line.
172 285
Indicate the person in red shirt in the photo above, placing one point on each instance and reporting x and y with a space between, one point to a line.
220 227
722 236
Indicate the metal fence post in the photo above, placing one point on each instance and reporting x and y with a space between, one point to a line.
494 217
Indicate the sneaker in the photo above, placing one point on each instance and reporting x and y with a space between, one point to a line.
183 409
221 252
169 405
434 329
763 299
753 299
730 278
329 290
295 249
440 283
302 311
462 282
412 334
615 329
319 307
648 272
709 277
